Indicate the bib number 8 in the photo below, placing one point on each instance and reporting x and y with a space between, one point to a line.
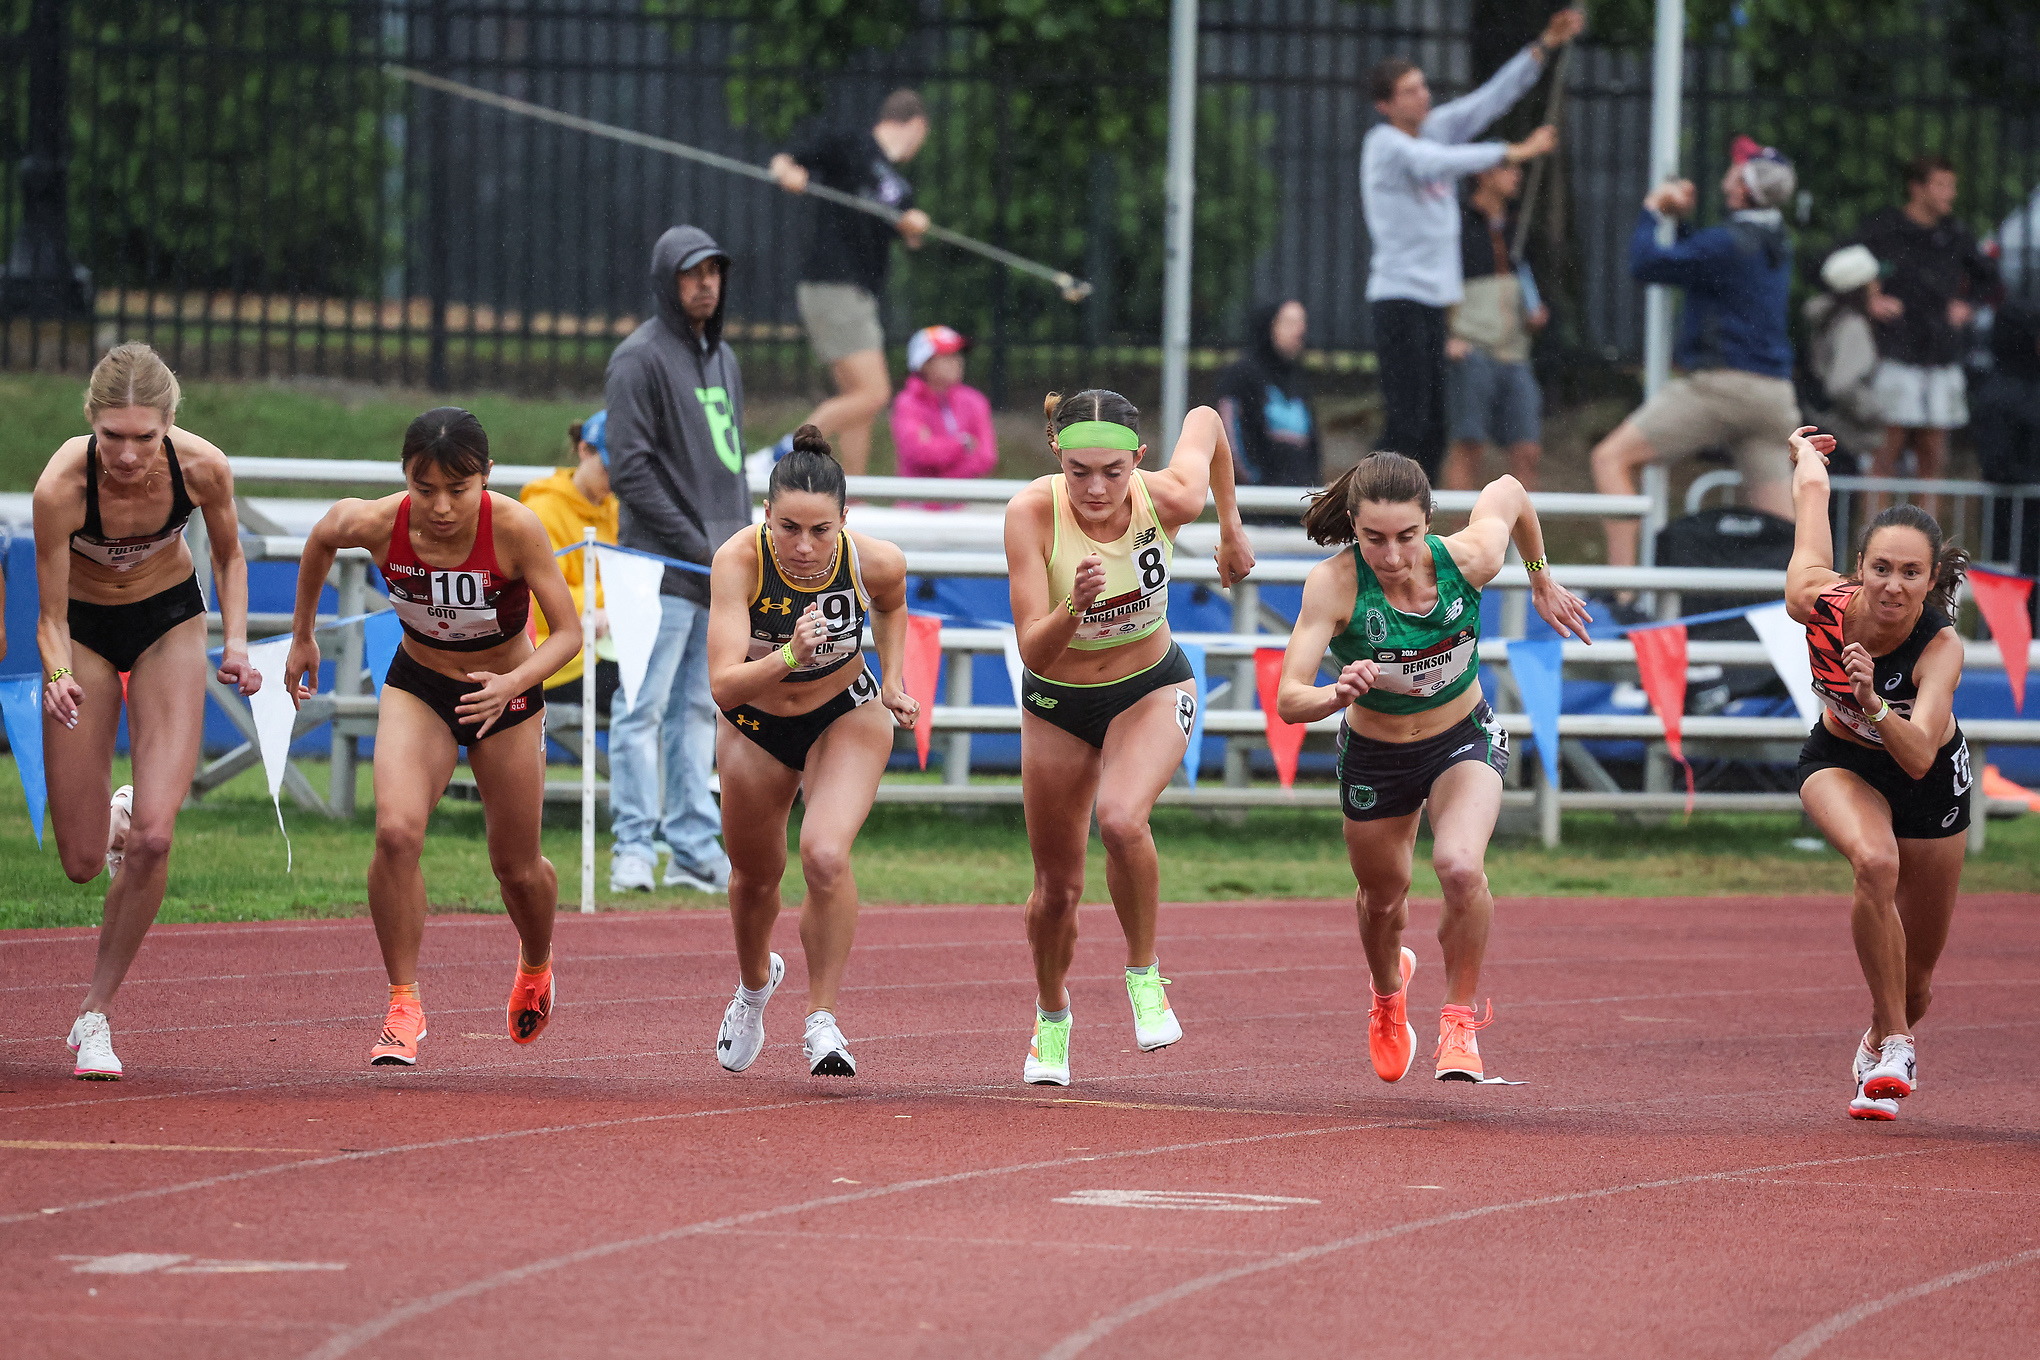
1152 571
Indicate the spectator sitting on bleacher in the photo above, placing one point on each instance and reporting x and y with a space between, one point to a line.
941 426
1842 353
567 503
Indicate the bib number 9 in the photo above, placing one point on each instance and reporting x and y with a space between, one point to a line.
1152 570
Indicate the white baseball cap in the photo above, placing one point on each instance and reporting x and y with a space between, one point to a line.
1849 268
930 341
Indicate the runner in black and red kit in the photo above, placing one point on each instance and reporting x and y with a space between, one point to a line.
462 565
1886 773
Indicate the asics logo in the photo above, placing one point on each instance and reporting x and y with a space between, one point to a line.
1892 683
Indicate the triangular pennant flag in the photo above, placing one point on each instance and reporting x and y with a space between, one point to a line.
2006 605
922 669
1193 753
275 722
1785 643
21 708
1536 664
380 634
630 591
1013 663
1661 669
1285 739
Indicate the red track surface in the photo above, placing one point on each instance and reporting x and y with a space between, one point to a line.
1677 1178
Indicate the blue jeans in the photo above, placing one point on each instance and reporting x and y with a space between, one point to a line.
673 718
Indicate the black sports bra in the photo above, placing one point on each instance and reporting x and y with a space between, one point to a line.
125 554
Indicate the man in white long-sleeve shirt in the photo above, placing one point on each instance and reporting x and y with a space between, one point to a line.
1409 165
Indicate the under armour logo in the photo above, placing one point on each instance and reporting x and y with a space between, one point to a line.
783 605
744 720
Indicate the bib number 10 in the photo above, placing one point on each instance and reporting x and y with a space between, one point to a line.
1152 570
459 589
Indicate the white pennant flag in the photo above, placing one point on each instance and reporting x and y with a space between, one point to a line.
630 592
275 721
1785 641
1013 663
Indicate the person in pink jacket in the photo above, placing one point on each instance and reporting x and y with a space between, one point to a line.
941 426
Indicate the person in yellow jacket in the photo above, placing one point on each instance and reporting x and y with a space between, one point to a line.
567 503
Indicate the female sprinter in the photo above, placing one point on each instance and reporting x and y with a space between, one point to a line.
1885 774
1108 699
462 564
119 594
1401 612
787 603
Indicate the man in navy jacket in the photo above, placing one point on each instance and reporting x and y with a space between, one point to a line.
1735 388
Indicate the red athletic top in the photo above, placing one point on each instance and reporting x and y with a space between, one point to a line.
468 608
1893 671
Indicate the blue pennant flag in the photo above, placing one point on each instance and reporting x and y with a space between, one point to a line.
1195 750
21 707
379 638
1536 664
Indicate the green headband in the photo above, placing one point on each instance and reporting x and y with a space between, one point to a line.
1098 434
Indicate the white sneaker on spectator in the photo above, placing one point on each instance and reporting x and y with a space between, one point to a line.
630 873
715 881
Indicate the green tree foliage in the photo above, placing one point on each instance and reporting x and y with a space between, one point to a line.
1049 136
218 145
1852 89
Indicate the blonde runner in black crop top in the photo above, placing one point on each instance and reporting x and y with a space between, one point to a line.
777 604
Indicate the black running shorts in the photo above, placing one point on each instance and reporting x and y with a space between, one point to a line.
1380 779
443 695
1924 809
787 739
122 632
1086 711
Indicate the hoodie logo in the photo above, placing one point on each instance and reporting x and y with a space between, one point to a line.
715 404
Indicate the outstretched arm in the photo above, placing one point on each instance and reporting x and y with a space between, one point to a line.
1812 568
1504 513
1202 464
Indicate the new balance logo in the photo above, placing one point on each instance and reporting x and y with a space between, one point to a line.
1144 537
1042 701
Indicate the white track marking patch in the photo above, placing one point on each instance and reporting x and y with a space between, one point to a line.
150 1263
1208 1201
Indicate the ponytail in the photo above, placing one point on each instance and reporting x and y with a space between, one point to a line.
1380 476
811 466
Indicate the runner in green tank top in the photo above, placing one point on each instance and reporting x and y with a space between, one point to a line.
1400 611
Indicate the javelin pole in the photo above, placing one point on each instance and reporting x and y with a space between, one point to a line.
1073 288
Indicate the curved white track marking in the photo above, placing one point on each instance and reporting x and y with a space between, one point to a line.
370 1154
1076 1343
355 1337
1813 1338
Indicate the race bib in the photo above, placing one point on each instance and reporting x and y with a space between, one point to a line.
454 609
1422 674
1848 715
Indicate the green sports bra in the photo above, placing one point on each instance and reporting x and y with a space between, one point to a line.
1426 660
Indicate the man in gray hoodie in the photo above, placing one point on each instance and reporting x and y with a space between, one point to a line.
676 403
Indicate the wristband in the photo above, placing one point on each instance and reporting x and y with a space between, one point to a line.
1534 564
58 674
786 655
1069 605
1883 711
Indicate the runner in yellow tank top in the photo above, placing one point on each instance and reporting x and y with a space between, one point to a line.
1107 698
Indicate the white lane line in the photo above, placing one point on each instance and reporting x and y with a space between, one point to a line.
355 1337
1882 1187
1022 1244
1813 1338
1076 1343
369 1154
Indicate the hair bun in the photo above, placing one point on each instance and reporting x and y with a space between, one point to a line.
1050 403
810 439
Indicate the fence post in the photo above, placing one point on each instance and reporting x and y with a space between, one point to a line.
351 587
439 201
1246 618
588 717
1979 801
956 759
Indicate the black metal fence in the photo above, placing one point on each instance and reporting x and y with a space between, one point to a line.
253 194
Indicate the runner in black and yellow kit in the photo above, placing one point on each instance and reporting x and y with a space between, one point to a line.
788 601
1107 699
1401 612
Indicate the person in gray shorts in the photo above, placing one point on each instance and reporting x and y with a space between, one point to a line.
1735 391
1491 394
845 269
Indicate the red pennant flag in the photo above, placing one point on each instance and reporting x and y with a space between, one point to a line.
1285 739
1661 670
2006 604
922 667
